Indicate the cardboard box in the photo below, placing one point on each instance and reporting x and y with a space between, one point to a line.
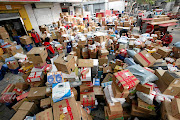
107 69
45 103
60 108
104 52
18 104
84 114
26 40
164 51
87 99
98 91
37 55
36 93
108 116
13 64
74 91
99 39
166 111
177 63
156 55
85 63
103 60
4 35
65 64
117 93
2 29
141 113
159 73
115 108
20 115
159 63
175 107
144 58
86 77
45 115
22 86
107 80
146 88
166 89
29 106
4 56
144 106
86 87
35 77
9 88
171 78
120 77
17 91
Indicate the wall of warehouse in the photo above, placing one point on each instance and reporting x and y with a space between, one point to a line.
41 16
117 5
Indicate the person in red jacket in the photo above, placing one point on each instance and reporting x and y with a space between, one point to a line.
167 39
49 48
36 38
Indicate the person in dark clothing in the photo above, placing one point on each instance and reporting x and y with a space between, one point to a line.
167 39
123 31
49 48
36 38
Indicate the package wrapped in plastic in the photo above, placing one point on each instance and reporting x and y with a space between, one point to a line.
172 68
168 59
110 96
9 59
177 44
148 98
129 61
131 53
161 97
142 74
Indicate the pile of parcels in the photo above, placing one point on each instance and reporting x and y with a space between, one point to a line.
138 79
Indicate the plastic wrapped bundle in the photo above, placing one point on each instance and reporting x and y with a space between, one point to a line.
129 61
131 53
145 97
142 74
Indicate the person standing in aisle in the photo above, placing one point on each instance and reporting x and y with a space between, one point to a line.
36 38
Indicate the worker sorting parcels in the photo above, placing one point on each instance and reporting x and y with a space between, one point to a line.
36 38
167 39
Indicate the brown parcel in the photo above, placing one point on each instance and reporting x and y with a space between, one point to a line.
37 55
141 113
29 106
66 66
20 115
144 106
4 35
9 88
86 87
107 69
159 73
45 115
84 114
171 78
45 103
108 78
87 99
85 63
98 90
22 86
13 64
166 112
146 63
178 63
102 60
36 93
4 56
164 52
115 108
108 116
175 107
166 89
26 40
156 55
18 104
74 92
144 88
70 103
117 93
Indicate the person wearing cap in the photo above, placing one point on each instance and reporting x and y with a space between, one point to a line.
36 38
49 48
167 39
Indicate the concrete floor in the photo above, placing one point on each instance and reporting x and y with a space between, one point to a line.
6 113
